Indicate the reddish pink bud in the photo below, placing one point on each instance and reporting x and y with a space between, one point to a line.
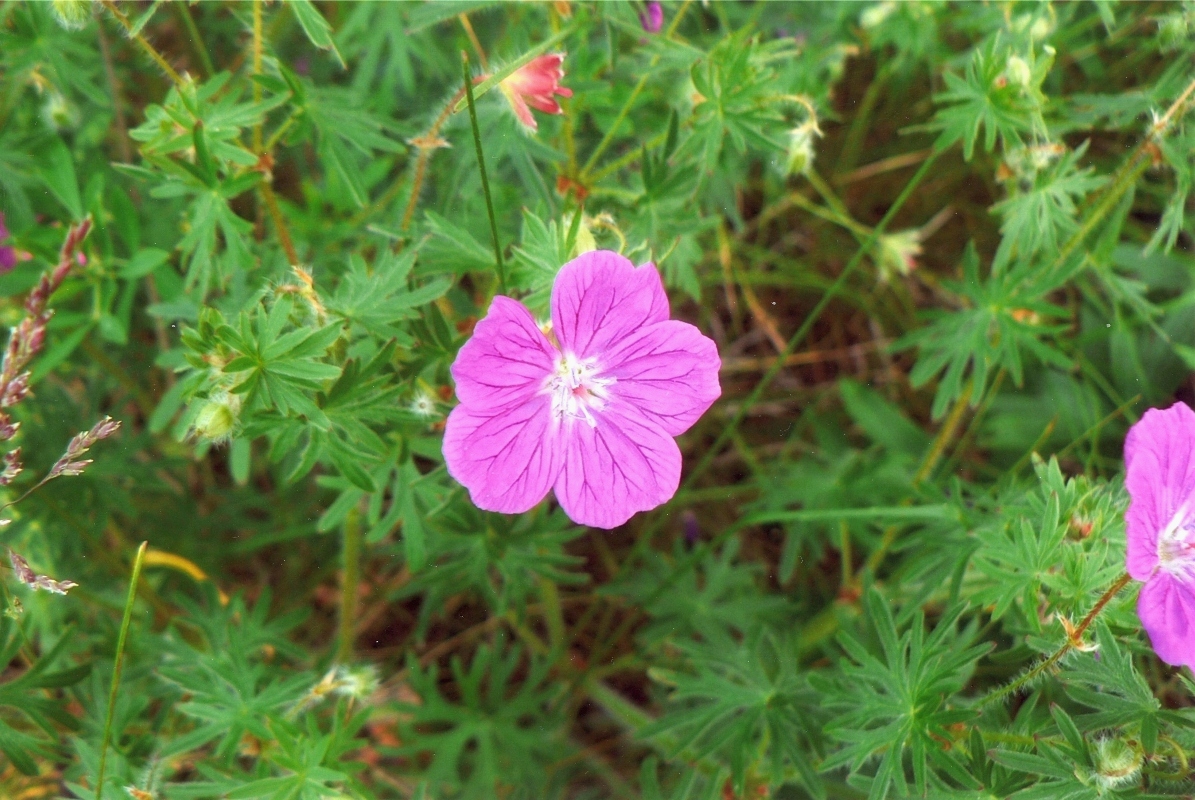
535 85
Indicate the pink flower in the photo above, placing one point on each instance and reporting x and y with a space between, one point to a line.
652 18
1159 455
534 84
591 414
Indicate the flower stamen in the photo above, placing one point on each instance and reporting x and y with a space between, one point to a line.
577 389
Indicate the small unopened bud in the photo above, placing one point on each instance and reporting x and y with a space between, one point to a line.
217 417
874 16
357 683
1018 71
898 253
800 149
71 14
584 242
1172 31
58 113
1116 763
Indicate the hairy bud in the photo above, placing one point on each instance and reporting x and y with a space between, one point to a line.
1116 763
800 149
71 14
217 417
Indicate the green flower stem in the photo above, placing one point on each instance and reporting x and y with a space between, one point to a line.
346 631
586 176
1072 640
485 181
116 667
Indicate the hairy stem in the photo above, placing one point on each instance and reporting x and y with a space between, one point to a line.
1074 638
150 50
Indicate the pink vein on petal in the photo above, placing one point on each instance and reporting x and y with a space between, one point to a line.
620 466
508 458
600 297
506 360
668 371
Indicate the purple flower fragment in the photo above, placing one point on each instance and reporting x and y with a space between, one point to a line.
1159 455
590 413
8 254
652 17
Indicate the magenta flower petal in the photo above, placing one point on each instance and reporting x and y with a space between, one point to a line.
668 371
1159 457
1167 610
506 361
620 466
508 458
600 297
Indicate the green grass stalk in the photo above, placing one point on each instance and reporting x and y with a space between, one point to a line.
121 639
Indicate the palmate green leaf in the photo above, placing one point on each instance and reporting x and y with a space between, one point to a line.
980 99
1002 318
740 103
375 302
498 729
1036 220
719 598
732 701
896 704
318 31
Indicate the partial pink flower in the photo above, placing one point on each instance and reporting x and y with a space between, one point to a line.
536 84
591 413
1159 455
8 254
652 17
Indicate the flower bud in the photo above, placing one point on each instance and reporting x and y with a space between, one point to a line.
584 241
898 253
1018 72
71 14
217 417
1116 763
800 149
423 404
57 113
1172 31
874 16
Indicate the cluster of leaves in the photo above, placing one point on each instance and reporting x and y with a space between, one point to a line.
970 218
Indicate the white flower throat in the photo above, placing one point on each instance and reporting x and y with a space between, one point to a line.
577 389
1176 549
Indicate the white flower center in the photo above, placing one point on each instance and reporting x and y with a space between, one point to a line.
577 389
1176 547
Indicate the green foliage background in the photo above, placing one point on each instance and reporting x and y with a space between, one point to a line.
944 251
